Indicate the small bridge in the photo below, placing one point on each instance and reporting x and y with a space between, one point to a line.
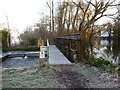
56 57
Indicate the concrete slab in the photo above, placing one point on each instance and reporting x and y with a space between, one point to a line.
56 57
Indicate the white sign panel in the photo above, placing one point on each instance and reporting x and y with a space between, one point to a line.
43 48
42 54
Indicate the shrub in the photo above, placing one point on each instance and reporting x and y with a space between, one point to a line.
103 63
3 38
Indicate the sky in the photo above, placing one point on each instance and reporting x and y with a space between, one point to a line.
22 13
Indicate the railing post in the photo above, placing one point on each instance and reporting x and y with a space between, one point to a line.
48 49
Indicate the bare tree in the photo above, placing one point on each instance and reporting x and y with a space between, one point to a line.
86 13
59 18
91 12
50 14
8 39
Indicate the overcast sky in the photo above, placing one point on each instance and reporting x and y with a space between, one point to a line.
21 12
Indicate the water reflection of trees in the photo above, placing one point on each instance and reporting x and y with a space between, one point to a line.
110 51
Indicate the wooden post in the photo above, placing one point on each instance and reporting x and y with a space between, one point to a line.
42 53
42 57
40 43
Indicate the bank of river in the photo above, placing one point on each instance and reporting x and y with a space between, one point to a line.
80 76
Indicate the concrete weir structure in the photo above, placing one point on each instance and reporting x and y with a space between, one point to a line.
2 58
18 59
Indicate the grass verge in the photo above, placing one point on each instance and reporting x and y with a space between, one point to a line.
102 63
33 77
21 49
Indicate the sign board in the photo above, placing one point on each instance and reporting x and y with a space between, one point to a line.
42 55
43 48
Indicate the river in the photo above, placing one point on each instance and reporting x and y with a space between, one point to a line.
20 62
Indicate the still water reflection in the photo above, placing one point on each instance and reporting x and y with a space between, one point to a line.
77 50
107 49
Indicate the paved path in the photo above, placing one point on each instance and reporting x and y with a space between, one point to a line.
56 57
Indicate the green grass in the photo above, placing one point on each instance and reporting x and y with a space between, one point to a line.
102 63
21 49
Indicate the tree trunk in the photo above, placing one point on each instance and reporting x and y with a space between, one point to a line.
84 35
73 24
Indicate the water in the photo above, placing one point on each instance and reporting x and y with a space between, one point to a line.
19 52
107 49
16 52
19 62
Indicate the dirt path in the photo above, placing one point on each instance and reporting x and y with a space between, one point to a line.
84 77
69 78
